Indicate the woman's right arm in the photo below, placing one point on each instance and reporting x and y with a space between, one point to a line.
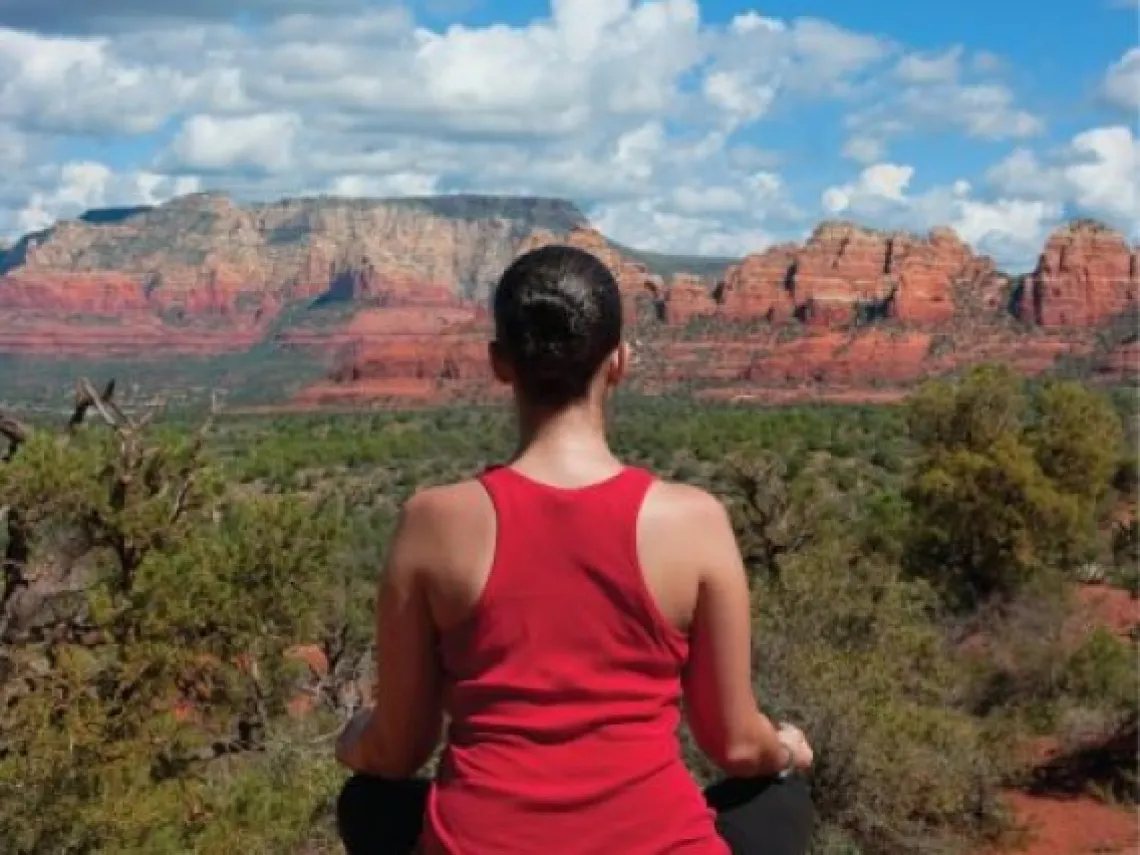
719 701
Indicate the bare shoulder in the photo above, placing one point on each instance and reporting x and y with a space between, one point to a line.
670 503
447 519
441 501
688 523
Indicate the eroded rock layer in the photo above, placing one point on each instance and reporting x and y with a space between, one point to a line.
394 293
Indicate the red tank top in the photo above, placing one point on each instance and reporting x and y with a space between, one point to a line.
563 689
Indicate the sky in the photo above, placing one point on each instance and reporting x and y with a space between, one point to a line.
687 126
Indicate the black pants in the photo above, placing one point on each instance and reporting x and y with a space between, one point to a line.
760 817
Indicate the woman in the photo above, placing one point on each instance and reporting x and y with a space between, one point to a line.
558 608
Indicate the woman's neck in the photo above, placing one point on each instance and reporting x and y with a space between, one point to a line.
574 433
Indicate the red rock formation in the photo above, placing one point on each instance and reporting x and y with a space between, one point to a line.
1086 275
761 286
687 298
844 271
398 291
201 268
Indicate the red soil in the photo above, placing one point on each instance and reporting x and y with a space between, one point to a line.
1074 826
1081 825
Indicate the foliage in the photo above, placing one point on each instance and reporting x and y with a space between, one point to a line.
145 642
1006 488
159 577
847 645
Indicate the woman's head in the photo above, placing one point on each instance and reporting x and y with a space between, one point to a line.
558 324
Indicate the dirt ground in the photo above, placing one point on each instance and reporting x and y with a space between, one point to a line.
1074 826
1081 825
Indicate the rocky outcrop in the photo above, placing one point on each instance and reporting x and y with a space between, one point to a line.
846 274
851 312
203 262
1087 275
395 292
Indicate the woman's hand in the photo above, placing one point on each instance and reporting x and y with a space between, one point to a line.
794 740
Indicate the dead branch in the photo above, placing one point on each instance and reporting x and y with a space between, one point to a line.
15 431
84 401
86 395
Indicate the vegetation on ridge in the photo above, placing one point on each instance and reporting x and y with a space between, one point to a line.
186 608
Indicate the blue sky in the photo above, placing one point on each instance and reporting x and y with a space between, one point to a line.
711 126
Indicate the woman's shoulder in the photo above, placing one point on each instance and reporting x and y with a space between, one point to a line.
675 501
454 502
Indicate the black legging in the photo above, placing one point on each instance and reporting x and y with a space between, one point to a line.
755 817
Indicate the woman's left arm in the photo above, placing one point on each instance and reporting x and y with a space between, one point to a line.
396 737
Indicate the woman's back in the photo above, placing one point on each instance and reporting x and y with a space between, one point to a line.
562 683
558 626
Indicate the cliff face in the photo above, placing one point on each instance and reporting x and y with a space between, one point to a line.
395 291
1087 275
850 314
845 274
203 262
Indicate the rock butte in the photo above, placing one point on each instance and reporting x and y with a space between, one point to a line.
393 294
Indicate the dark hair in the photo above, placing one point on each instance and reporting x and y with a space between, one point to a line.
557 317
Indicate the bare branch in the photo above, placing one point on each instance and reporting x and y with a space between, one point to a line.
84 401
15 431
180 501
93 398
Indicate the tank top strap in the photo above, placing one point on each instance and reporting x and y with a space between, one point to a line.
502 490
620 500
628 487
613 504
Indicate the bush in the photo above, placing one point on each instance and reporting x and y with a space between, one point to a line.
146 618
1006 488
848 647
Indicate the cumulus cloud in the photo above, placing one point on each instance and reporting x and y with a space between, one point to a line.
260 142
1122 82
1096 174
81 86
881 183
658 122
756 58
82 185
930 68
1010 229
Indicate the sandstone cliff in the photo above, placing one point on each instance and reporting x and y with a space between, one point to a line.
1087 275
850 313
395 292
202 254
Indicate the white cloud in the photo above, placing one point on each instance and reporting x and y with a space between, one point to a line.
983 110
63 85
652 226
934 98
394 184
1097 173
663 126
741 96
883 182
864 149
82 185
262 141
930 68
1010 229
1105 176
1122 82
